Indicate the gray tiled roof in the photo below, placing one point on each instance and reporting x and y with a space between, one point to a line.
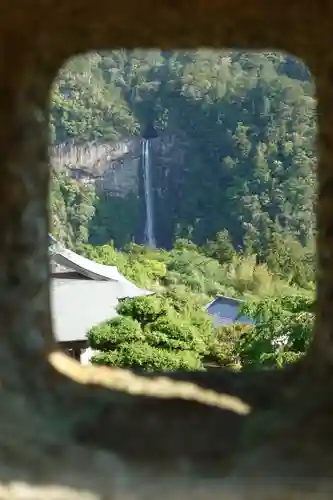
90 269
77 305
84 293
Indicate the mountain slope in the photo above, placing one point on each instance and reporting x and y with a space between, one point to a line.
235 149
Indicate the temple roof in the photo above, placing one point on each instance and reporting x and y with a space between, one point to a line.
84 293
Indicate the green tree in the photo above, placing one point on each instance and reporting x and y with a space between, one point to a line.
72 208
224 346
281 333
288 258
220 248
149 334
237 131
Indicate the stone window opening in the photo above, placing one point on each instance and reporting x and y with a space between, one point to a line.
69 431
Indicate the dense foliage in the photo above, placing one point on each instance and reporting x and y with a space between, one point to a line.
243 129
150 334
233 202
282 332
171 330
167 333
72 207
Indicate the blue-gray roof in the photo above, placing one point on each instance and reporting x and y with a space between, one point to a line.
52 241
225 311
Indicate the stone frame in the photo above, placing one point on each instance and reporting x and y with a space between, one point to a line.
203 436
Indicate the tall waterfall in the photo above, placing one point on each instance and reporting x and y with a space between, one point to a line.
148 191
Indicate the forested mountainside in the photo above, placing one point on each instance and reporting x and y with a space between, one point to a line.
235 152
233 186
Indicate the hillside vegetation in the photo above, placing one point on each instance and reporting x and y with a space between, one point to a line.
244 129
234 217
171 329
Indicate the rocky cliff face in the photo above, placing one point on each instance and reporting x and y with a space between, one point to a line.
115 167
112 167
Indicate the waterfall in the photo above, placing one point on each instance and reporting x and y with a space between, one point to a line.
148 191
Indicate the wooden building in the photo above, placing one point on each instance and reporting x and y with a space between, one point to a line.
83 294
225 311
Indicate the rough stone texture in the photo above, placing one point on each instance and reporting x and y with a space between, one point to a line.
112 166
160 439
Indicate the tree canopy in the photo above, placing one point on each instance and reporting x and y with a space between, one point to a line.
233 201
242 131
150 334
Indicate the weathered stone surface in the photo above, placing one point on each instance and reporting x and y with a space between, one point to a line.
113 167
161 440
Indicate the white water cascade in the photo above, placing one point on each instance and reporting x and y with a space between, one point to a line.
148 191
